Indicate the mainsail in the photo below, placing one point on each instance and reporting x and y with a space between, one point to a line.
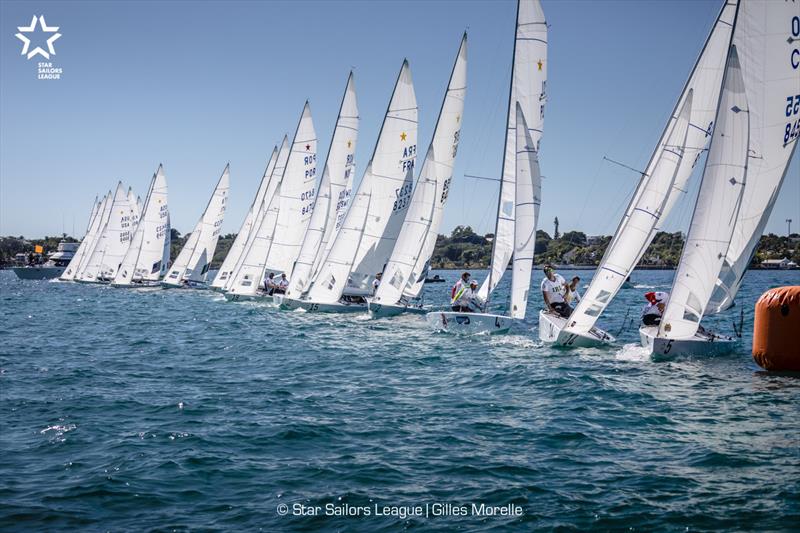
405 272
94 235
385 191
80 253
672 161
238 247
716 210
144 260
114 239
528 86
528 199
296 197
193 260
335 177
767 37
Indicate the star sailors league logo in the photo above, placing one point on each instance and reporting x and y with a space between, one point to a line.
31 38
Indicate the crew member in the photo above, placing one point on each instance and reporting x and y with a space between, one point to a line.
282 285
572 294
654 308
554 288
269 283
376 282
465 297
462 283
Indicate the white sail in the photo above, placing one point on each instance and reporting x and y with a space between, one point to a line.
144 260
238 246
528 88
390 184
528 199
637 230
251 263
136 208
297 192
80 253
114 240
96 231
193 260
408 265
335 177
330 281
771 72
699 99
715 212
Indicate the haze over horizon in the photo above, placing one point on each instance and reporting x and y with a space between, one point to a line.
150 83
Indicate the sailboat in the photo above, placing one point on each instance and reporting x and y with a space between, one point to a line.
663 182
288 203
113 242
751 148
191 266
337 176
404 274
519 196
145 261
370 228
238 246
88 237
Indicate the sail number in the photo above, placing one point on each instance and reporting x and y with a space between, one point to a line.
307 196
445 190
403 195
792 130
409 156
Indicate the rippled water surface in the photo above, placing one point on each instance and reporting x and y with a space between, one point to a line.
175 410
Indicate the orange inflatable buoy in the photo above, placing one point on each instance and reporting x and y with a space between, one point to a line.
776 329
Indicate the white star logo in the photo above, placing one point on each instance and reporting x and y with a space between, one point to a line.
26 43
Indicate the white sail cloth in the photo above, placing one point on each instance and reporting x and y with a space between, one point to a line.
80 253
145 259
715 212
236 249
114 240
193 260
404 275
337 173
771 72
528 88
385 190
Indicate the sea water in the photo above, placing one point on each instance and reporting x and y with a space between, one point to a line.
176 410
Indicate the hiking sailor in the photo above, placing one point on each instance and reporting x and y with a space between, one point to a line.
572 294
282 285
654 308
554 288
376 282
465 297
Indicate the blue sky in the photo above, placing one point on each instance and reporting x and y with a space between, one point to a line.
194 85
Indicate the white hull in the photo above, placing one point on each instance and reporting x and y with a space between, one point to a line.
137 284
317 307
259 296
705 344
551 328
189 285
387 310
38 272
468 323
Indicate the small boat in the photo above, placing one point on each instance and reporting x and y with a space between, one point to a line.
519 197
147 256
435 279
55 265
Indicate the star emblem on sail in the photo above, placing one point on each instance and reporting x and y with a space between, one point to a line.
26 42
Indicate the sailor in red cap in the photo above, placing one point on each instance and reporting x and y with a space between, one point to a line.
654 308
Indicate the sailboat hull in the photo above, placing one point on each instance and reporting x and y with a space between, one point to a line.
187 284
389 310
318 307
261 297
702 343
551 328
468 323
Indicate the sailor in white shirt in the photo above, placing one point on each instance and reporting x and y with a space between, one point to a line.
282 285
572 294
465 298
376 282
554 288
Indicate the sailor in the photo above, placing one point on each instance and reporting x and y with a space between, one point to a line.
572 294
654 308
554 288
462 283
269 283
466 297
282 285
376 282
